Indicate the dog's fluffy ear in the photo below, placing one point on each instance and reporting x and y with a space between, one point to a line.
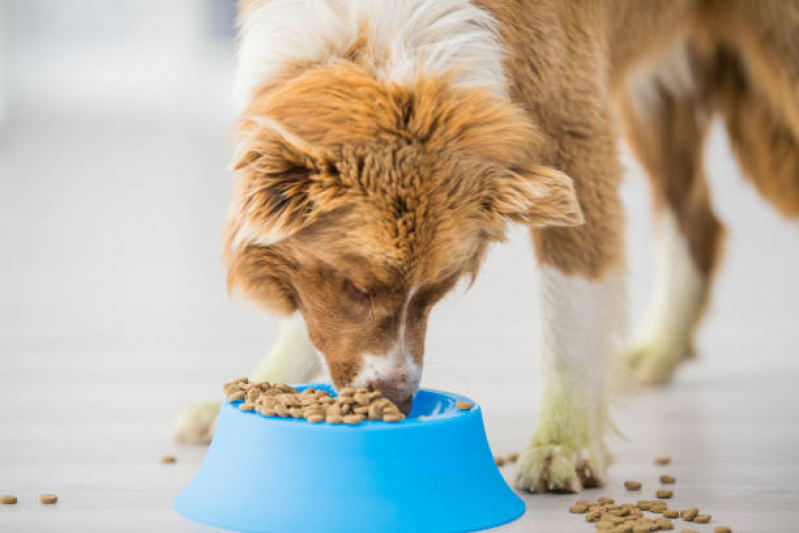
537 196
282 182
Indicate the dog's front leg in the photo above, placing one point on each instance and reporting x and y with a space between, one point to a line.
582 328
292 359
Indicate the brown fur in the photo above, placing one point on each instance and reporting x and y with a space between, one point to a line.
424 180
376 189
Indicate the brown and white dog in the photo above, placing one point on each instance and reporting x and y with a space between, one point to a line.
384 144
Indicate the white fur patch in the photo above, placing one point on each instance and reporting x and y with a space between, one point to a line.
409 38
584 324
397 362
678 290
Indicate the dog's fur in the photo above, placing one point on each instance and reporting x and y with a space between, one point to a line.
384 144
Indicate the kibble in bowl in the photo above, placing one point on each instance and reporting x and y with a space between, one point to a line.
353 469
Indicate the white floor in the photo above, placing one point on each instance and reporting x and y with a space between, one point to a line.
113 315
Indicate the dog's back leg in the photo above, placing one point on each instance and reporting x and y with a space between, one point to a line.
755 77
665 124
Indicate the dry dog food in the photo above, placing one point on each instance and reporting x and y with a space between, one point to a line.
463 405
168 459
611 517
689 514
48 498
8 499
352 406
662 460
668 480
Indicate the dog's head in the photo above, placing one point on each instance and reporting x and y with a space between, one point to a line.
361 204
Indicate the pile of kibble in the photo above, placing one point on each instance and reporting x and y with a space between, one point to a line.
610 517
351 406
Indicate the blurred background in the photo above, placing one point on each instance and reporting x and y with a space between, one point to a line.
115 136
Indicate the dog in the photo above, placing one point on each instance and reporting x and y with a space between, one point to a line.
383 145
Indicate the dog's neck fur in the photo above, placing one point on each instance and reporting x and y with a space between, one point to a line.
404 38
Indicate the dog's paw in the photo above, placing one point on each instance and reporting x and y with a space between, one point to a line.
560 468
196 423
654 363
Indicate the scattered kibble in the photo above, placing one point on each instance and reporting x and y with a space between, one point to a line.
578 508
668 480
48 498
499 461
351 406
689 531
664 494
511 457
168 459
671 513
703 519
689 514
463 405
632 485
8 499
722 529
662 460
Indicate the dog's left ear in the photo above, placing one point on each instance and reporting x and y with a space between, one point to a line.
536 196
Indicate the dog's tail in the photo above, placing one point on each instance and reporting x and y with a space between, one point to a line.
752 69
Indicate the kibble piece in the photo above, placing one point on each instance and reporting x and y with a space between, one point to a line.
236 396
671 513
315 418
499 461
662 460
8 499
361 410
641 528
512 457
664 494
668 480
578 508
632 485
658 507
391 417
353 419
703 518
334 419
48 498
689 514
689 531
664 523
604 525
247 406
346 391
722 529
168 459
463 405
593 515
606 500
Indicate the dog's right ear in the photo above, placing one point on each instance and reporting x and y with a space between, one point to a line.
282 185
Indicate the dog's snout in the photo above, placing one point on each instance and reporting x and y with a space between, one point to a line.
399 389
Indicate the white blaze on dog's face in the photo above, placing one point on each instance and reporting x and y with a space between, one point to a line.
361 203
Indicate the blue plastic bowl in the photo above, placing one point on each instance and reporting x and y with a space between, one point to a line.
432 472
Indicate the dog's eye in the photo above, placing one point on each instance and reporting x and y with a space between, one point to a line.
358 293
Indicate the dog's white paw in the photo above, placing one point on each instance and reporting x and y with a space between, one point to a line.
655 362
560 467
196 423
